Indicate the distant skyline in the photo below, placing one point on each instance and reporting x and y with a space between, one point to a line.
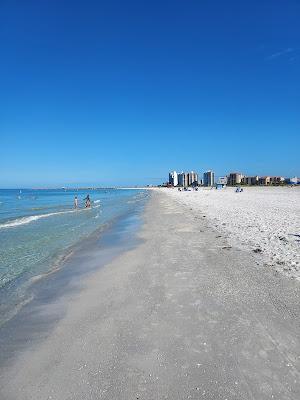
121 93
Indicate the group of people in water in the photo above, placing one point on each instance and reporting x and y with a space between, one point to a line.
87 202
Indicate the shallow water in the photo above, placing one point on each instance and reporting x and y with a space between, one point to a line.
39 230
48 299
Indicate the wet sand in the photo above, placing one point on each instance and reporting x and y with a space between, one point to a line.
183 315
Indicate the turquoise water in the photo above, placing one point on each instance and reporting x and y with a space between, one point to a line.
39 228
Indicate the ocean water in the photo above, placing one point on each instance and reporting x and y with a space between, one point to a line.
40 228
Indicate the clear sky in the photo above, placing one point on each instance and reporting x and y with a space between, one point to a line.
121 92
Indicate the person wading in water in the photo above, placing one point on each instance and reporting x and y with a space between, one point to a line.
87 201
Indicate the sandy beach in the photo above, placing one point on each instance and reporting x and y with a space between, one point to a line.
187 313
265 220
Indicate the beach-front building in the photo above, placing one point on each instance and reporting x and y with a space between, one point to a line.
209 178
186 179
173 178
235 178
192 179
183 179
250 180
264 180
222 180
277 180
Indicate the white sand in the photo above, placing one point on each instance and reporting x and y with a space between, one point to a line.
265 218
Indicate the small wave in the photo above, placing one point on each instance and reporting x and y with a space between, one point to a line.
97 201
31 218
15 311
57 266
26 220
44 208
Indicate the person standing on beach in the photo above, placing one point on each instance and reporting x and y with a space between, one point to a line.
76 202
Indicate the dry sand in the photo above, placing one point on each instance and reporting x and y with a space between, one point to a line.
181 316
261 219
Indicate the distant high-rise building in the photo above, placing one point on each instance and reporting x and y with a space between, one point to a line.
192 178
209 178
196 179
173 178
183 179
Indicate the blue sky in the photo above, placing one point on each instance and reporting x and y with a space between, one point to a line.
121 92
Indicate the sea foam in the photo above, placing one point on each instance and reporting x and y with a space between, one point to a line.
31 218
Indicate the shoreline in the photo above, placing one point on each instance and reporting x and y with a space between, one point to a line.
58 284
18 281
178 316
